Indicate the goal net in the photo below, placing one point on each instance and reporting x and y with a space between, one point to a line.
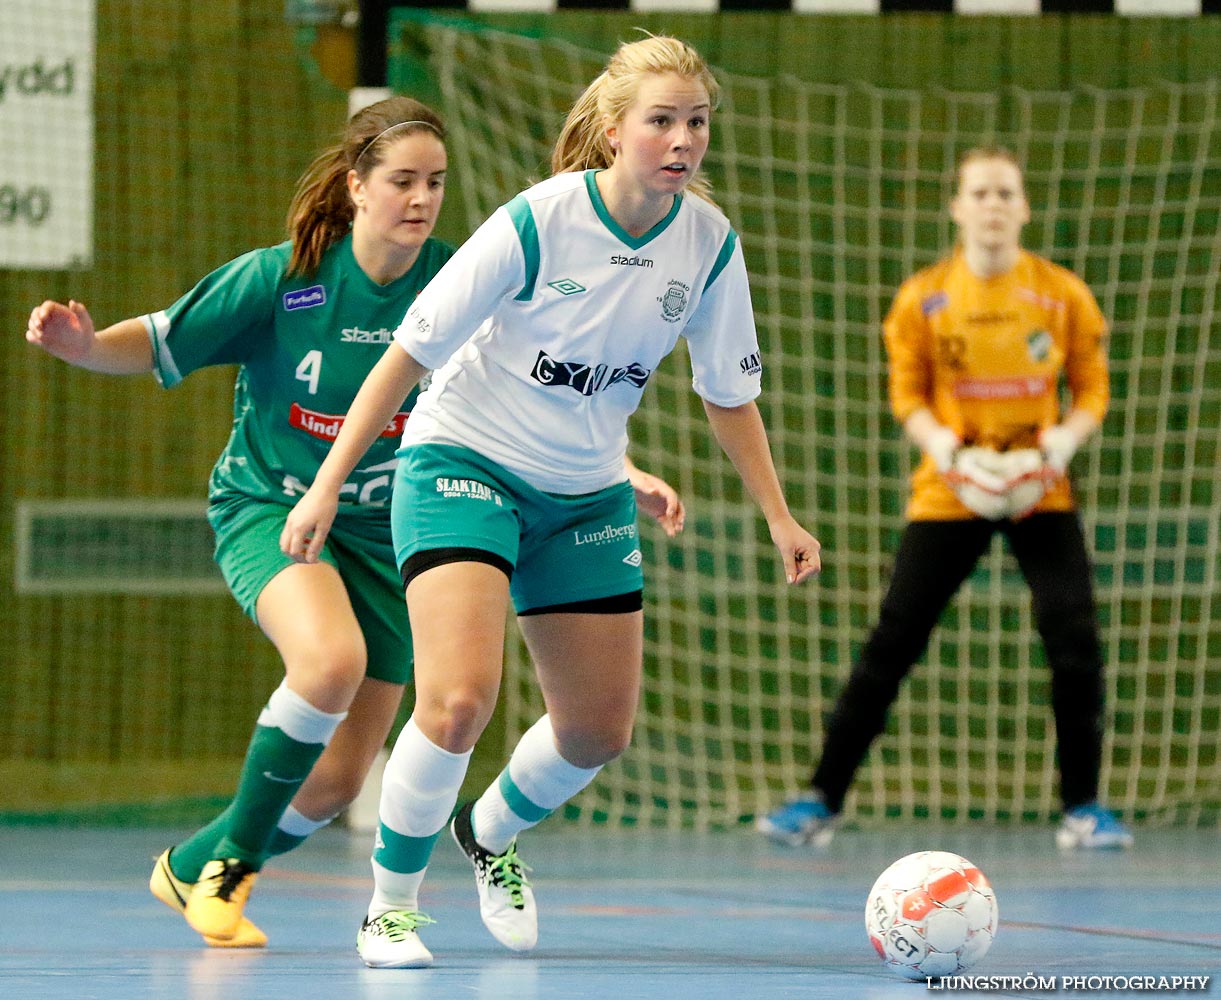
838 193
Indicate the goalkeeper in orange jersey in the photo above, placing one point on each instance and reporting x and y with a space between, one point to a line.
977 345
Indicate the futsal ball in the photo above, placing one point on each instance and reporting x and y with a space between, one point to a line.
931 914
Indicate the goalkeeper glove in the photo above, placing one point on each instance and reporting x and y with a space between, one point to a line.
1058 445
978 478
941 444
1025 473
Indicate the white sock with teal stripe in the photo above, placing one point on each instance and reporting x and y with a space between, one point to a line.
419 790
536 782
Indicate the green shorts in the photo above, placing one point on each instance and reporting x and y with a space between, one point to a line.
248 553
563 549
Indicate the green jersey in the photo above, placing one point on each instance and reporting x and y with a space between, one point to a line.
304 346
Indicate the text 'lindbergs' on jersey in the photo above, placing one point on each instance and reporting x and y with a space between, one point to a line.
326 425
305 298
607 533
413 318
585 379
1012 387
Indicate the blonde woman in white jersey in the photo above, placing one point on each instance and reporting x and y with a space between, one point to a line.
543 330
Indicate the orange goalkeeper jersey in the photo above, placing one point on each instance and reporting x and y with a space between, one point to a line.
986 356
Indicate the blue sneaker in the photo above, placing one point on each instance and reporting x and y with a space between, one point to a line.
1092 827
803 820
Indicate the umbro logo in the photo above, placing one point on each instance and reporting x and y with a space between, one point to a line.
566 286
633 558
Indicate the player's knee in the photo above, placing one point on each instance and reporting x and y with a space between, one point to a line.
340 668
594 746
335 664
456 721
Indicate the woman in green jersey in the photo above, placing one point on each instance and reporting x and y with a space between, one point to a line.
305 320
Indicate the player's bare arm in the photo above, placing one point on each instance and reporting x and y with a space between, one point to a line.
67 332
739 431
657 498
383 392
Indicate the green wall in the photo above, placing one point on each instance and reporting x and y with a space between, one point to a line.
205 115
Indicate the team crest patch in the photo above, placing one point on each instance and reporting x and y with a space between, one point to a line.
1038 345
566 286
674 302
305 298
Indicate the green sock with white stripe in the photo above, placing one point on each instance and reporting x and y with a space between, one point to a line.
289 738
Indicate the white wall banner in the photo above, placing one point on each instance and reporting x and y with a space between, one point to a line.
46 133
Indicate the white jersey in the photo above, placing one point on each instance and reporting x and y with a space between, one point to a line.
545 327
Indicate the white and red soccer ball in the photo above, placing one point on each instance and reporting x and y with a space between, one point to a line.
931 914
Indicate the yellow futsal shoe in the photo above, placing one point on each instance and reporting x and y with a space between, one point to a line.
217 899
174 892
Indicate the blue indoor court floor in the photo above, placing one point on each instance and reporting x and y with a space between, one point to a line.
640 914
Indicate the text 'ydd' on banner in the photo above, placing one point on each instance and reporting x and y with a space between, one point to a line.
46 119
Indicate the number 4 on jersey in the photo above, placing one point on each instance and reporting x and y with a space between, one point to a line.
309 370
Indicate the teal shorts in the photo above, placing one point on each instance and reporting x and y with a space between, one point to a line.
562 549
248 553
